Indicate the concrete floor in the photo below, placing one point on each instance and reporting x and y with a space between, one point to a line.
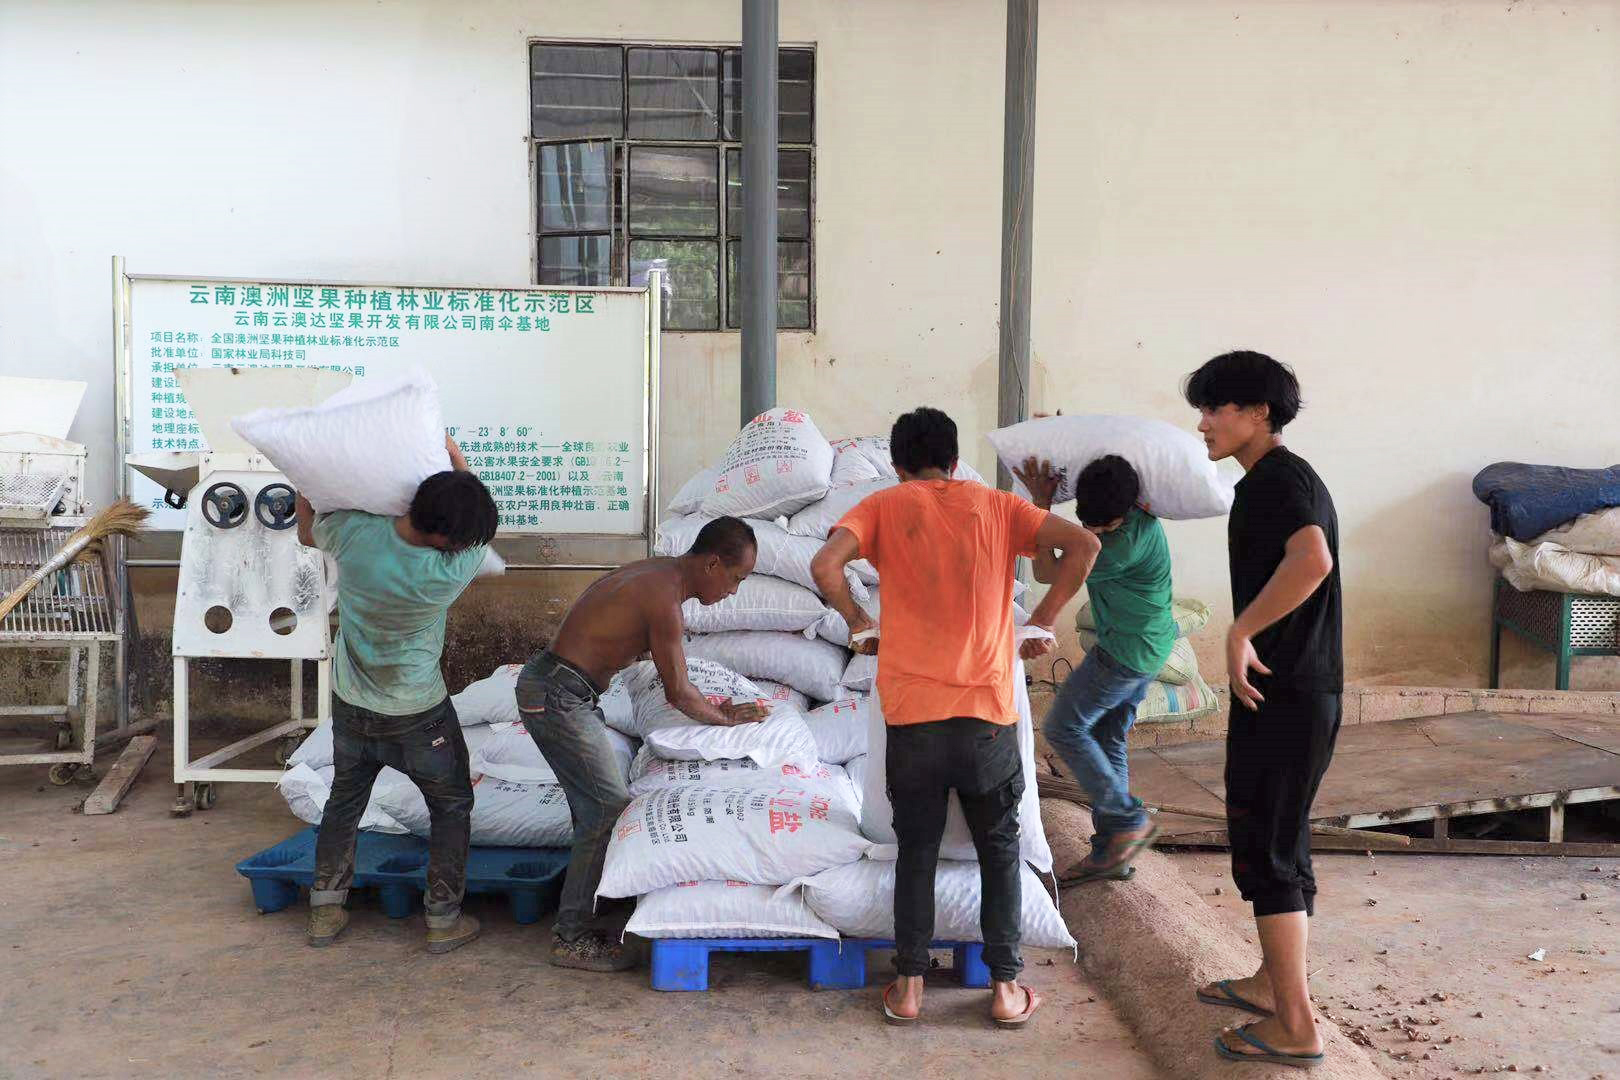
1460 926
132 948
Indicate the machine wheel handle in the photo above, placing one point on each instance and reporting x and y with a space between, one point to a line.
225 505
276 507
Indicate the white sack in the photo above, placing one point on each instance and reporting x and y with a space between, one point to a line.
317 749
841 728
510 754
809 666
858 901
692 493
856 768
861 673
777 464
760 603
649 772
779 553
877 813
724 909
818 518
306 788
833 629
857 461
490 700
781 693
504 814
781 739
1580 556
1178 479
652 709
766 836
367 447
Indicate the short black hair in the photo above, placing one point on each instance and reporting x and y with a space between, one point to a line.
457 506
1106 490
923 438
728 537
1244 379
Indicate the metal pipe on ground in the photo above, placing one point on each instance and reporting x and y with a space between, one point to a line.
1150 942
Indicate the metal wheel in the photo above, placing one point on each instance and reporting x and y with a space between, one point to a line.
205 796
64 738
62 773
285 748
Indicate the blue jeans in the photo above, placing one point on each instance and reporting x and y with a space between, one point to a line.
1087 727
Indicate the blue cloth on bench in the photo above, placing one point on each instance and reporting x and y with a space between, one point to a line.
1528 500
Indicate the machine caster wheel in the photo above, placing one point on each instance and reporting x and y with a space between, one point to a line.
63 772
205 796
286 747
64 738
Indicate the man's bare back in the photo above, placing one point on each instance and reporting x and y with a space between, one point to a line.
609 626
637 609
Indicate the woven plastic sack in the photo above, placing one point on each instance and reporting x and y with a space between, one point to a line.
760 603
841 728
1191 616
367 447
809 666
778 463
305 789
1178 479
490 700
724 909
651 708
692 832
782 693
861 673
857 461
783 738
504 814
1181 668
649 772
779 554
690 498
1166 703
858 901
817 519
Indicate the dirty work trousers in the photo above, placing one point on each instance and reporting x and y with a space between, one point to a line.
428 748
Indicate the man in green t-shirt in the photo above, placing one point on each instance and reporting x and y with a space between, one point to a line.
397 577
1136 629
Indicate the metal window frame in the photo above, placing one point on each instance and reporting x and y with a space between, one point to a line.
622 235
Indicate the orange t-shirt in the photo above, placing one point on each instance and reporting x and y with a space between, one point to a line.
946 552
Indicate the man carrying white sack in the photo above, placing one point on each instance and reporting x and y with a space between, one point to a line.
397 577
947 550
618 619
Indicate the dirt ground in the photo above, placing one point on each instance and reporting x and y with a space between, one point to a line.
1429 956
132 948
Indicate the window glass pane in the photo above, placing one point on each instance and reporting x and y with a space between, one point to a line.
792 285
674 93
792 193
795 95
576 186
576 91
674 190
576 260
692 279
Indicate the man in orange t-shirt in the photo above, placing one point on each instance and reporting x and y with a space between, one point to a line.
947 550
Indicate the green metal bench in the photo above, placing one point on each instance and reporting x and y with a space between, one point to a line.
1565 624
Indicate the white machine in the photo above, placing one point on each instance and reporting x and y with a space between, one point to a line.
247 588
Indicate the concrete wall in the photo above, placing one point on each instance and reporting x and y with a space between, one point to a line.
1413 203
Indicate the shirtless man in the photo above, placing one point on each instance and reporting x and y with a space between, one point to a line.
616 621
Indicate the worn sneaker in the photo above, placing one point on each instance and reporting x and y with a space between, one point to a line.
442 939
325 924
593 951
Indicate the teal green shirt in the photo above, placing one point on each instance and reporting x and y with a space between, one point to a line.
392 601
1130 594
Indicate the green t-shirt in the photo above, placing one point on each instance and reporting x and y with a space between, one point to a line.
392 601
1130 594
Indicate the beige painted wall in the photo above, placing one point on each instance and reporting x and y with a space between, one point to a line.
1414 203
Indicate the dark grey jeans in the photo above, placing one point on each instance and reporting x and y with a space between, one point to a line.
558 704
428 748
980 761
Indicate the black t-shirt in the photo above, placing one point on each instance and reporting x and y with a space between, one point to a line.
1278 497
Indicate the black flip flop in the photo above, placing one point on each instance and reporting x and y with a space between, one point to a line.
1267 1054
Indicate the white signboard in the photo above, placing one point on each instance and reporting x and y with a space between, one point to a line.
546 390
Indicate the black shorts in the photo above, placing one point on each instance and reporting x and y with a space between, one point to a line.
1275 758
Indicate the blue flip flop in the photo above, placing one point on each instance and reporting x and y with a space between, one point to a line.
1267 1054
1231 1000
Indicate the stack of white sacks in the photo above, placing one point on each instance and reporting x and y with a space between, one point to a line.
783 828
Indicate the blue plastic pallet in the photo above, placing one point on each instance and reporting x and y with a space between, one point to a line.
683 963
530 878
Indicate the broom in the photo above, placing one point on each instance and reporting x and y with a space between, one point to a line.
119 518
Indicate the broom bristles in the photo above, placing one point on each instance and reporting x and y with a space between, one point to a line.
118 518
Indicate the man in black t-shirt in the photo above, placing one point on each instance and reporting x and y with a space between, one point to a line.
1285 661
